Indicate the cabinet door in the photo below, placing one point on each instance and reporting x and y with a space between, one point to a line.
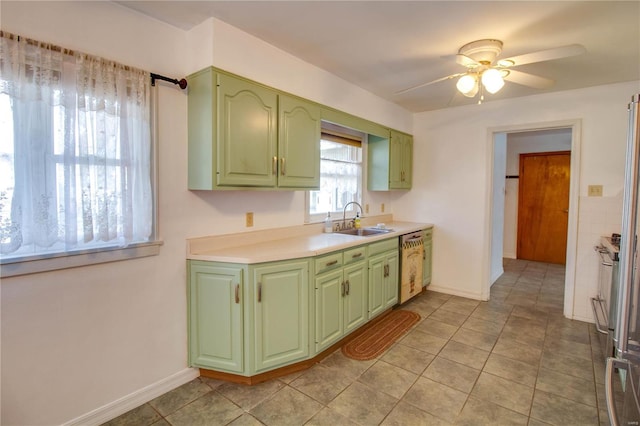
396 151
281 309
391 288
407 161
298 144
428 253
215 317
377 272
400 160
355 301
247 133
329 290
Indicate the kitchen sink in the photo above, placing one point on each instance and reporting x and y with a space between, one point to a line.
365 232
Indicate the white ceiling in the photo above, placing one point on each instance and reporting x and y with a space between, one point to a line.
387 46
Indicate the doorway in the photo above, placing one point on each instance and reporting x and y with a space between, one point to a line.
543 206
502 222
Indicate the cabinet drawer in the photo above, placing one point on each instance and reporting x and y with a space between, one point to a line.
355 254
382 246
328 262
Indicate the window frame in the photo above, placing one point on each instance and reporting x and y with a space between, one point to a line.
347 133
45 262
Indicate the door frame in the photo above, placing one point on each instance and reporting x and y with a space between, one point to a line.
574 191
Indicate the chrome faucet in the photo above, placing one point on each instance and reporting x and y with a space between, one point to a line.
344 212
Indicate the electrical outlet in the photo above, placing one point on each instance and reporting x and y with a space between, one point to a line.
382 208
595 191
366 208
249 219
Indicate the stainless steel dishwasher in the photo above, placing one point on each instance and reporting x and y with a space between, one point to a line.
411 262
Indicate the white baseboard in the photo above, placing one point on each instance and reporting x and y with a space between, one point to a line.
129 402
454 292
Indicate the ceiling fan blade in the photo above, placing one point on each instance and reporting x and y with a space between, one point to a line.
527 79
466 61
543 55
449 77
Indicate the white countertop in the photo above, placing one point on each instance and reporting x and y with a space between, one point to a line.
284 247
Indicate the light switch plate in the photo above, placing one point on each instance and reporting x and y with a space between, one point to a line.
249 219
595 191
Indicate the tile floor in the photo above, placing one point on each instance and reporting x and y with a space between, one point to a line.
511 361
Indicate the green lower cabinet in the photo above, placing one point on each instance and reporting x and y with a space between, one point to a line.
383 277
340 296
215 317
428 253
355 302
281 315
329 308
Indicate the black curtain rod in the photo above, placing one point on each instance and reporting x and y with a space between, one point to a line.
182 83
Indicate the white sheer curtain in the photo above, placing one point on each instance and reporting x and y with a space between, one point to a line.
76 173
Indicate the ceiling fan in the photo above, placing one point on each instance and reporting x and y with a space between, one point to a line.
486 72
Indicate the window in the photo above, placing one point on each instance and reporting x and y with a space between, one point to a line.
340 173
76 155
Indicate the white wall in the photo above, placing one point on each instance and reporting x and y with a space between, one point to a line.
497 209
87 339
521 143
451 187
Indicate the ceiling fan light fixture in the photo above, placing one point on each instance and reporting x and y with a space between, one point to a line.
467 85
492 80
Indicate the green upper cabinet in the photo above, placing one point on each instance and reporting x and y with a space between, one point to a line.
298 144
390 164
245 135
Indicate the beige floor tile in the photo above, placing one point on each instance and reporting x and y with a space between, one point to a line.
422 341
564 363
492 326
142 415
452 374
245 420
330 417
345 366
511 369
179 397
518 351
286 407
437 328
435 398
555 410
388 378
449 317
407 415
211 408
463 354
503 392
321 383
363 404
477 412
408 358
248 397
476 339
566 386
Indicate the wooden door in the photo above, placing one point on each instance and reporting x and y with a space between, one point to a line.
543 206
